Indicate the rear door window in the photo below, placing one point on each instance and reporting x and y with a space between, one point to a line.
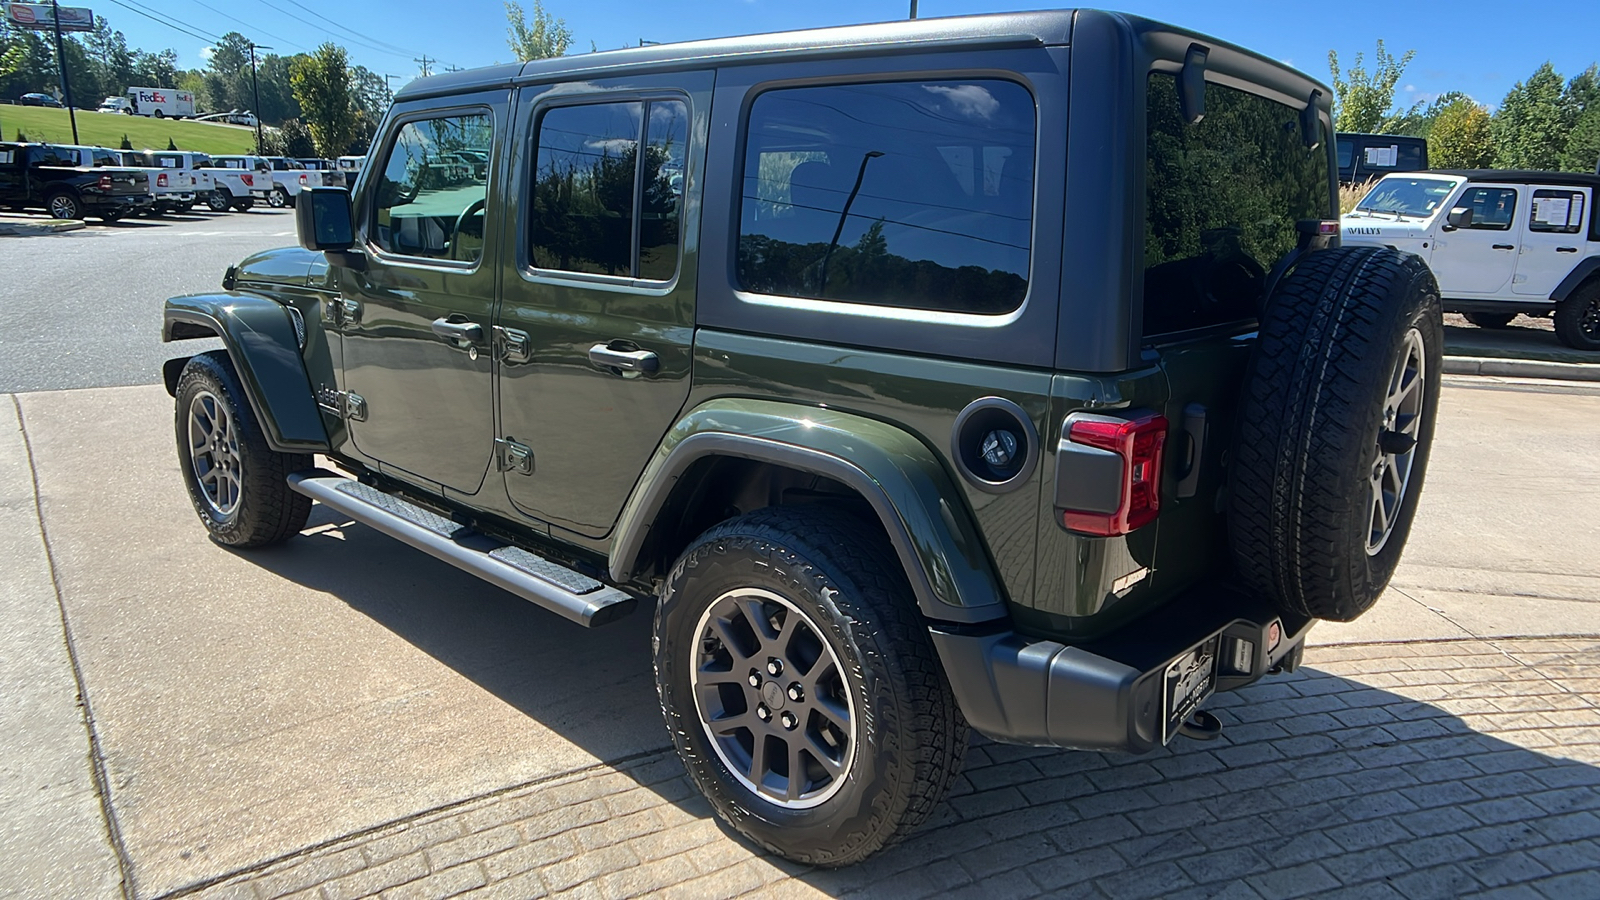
1222 197
913 194
1557 211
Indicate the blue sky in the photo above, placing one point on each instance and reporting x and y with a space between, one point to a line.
1470 45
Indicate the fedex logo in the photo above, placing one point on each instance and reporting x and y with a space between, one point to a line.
152 97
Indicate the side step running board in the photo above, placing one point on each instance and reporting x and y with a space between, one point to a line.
554 587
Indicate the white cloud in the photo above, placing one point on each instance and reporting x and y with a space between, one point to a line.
970 100
206 51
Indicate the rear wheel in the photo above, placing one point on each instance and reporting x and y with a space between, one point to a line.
237 483
244 205
1334 430
277 199
1578 318
1490 320
800 687
219 200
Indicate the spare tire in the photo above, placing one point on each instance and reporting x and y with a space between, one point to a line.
1334 427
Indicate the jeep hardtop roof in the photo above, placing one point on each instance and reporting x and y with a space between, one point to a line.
994 30
1516 176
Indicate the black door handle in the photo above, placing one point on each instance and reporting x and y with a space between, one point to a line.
469 332
625 360
1505 246
1566 249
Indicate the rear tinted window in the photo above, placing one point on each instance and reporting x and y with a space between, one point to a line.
907 194
1222 199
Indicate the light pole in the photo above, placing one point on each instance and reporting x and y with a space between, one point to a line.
61 57
869 156
913 9
255 93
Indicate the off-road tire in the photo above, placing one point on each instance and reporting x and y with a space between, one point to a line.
844 576
268 511
64 205
1578 317
1490 320
1300 502
219 200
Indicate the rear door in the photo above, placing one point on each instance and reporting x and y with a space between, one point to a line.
596 324
1553 241
1478 259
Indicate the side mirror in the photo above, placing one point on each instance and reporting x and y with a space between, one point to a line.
323 218
1459 217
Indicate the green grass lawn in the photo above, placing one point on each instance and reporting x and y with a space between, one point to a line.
107 129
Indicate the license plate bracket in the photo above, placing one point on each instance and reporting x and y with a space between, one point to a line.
1186 683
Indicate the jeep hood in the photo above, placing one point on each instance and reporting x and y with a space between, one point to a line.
285 265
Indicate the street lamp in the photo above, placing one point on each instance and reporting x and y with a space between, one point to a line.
869 156
255 92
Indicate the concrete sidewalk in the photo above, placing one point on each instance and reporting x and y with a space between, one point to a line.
343 716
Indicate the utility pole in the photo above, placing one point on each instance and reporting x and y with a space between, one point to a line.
386 80
255 91
426 68
61 57
913 9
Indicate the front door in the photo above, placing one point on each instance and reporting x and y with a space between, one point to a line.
1477 259
597 323
1554 239
416 320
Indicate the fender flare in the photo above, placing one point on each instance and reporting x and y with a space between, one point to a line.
914 498
262 343
1579 274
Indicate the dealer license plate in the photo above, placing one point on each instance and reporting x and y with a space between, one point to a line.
1189 680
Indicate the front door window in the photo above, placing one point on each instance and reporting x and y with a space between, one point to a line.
430 199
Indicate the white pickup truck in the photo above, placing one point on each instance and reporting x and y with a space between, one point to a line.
289 176
1500 242
241 181
174 168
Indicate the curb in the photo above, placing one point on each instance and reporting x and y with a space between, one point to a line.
1521 368
48 226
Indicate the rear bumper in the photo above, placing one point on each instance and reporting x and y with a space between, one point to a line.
1110 694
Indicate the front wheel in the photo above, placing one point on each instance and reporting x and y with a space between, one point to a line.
63 205
277 199
800 687
1578 318
237 483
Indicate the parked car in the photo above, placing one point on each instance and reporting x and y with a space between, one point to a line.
167 193
947 390
232 117
1500 242
290 177
351 167
41 176
39 100
334 176
1367 157
174 170
242 181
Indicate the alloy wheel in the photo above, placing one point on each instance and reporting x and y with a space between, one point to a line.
63 207
214 454
1397 441
772 698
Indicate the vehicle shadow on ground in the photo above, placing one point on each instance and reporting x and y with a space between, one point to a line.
1523 339
1320 783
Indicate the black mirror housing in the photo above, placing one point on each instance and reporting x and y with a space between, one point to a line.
324 220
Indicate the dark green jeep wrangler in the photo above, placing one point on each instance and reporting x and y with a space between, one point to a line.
998 372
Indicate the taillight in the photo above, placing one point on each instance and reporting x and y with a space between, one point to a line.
1137 443
303 179
247 179
105 182
161 180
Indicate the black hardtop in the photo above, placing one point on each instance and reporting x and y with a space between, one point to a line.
1402 138
1519 176
1034 28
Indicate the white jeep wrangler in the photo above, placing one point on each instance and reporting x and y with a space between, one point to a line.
1499 242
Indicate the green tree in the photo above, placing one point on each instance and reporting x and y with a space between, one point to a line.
1461 137
1582 100
545 37
1363 100
296 139
1531 126
321 84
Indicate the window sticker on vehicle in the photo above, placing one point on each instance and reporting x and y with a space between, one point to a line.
1383 156
1551 210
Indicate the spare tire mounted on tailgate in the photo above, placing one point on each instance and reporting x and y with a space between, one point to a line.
1334 429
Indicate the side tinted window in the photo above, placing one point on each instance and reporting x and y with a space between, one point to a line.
428 203
599 205
1557 212
1493 209
907 194
1347 152
1222 197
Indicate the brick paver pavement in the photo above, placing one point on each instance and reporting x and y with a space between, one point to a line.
1438 769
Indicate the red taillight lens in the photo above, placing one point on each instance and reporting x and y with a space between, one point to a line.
247 179
105 182
303 180
1139 443
161 180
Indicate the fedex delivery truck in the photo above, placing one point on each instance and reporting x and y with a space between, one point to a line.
162 103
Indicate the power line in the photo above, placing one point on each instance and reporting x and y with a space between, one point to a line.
357 39
211 39
402 51
250 25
